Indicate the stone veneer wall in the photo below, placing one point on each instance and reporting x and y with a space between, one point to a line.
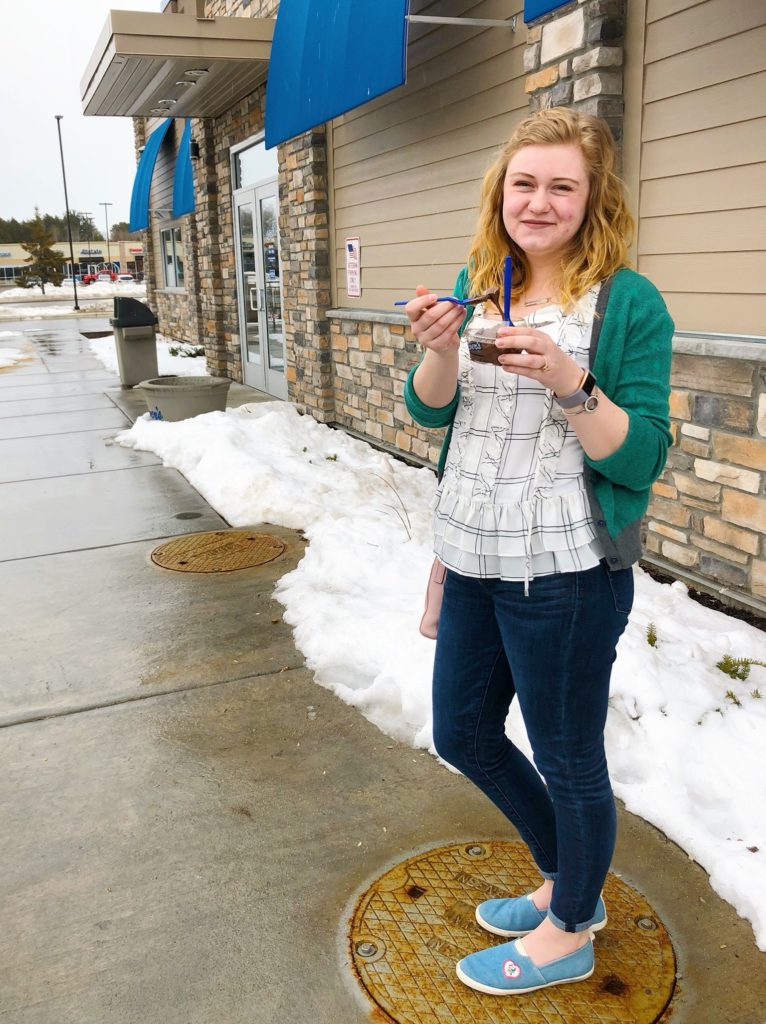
371 361
708 510
574 59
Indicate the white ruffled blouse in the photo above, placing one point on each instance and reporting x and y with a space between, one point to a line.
512 501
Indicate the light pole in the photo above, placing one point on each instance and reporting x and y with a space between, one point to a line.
108 247
66 202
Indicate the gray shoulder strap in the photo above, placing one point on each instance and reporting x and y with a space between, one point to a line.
598 318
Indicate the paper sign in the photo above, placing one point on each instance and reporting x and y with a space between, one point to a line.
353 271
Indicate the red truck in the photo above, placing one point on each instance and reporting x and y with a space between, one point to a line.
100 275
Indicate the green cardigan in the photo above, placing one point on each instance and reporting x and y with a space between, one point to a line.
630 357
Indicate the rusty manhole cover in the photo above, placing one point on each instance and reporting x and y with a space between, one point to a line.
411 927
220 551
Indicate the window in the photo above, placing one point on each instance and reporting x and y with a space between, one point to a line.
255 164
172 249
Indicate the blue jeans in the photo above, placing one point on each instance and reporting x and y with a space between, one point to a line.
554 650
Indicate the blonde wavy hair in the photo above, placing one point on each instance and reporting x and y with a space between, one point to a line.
600 246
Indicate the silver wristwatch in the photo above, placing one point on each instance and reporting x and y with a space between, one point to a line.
585 395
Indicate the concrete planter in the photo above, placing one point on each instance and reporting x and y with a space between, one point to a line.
180 398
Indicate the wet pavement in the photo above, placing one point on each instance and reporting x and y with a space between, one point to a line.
188 818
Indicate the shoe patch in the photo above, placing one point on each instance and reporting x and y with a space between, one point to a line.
511 969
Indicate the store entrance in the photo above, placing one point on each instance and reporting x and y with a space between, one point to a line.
256 216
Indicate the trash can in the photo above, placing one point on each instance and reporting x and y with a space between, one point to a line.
135 336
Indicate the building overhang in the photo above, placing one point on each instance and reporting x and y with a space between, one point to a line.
174 65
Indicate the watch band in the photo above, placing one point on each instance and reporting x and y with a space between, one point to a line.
581 395
589 405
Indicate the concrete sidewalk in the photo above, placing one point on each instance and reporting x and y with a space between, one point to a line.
188 817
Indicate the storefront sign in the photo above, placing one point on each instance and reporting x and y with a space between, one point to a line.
4 253
353 272
91 252
139 250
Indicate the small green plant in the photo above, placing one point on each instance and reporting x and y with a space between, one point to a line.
756 694
331 458
188 351
651 634
737 668
731 695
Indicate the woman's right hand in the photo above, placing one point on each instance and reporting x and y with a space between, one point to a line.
434 324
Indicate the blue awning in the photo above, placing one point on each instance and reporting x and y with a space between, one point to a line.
327 58
183 183
139 200
537 8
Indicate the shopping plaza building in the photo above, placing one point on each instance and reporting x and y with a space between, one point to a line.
126 257
285 262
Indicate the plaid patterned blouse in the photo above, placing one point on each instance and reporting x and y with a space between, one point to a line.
512 501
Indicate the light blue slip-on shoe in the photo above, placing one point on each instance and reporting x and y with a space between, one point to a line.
506 970
515 917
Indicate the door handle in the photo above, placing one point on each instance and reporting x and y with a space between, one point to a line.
255 308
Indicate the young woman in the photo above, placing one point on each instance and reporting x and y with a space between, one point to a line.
544 477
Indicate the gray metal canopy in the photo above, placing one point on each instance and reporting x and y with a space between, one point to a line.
152 65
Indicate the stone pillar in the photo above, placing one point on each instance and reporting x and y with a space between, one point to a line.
306 287
209 282
574 59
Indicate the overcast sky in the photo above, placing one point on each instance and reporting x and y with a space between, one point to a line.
44 48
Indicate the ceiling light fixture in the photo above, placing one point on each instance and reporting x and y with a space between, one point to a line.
196 72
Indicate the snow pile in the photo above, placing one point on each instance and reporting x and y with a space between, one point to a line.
104 349
683 754
10 356
48 310
97 290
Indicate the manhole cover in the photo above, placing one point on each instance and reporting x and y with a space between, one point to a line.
220 551
411 927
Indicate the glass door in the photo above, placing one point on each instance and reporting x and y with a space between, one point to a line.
259 289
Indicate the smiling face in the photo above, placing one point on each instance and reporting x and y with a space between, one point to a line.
545 197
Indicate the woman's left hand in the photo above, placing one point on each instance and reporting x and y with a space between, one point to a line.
541 359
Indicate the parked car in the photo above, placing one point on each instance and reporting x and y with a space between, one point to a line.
125 279
106 275
69 281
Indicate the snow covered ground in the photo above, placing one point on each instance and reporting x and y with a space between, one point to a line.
97 290
11 356
94 298
181 366
685 741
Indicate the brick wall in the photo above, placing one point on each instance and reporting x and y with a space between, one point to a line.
708 510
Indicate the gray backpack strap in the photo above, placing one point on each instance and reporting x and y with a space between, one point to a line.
598 317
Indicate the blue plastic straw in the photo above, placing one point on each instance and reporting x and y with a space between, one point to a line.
507 293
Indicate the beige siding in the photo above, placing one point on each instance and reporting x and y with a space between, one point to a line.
699 161
406 169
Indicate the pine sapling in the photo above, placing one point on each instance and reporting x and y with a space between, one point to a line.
737 668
